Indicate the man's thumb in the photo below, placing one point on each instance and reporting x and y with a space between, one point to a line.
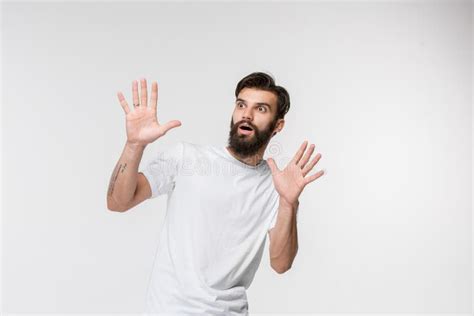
272 165
170 125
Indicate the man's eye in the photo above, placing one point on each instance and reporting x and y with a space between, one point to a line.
261 107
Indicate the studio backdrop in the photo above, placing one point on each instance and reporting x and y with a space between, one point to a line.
382 88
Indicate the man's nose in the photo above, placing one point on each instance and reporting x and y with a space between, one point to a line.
247 114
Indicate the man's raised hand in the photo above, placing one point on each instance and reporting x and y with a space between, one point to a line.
142 123
291 181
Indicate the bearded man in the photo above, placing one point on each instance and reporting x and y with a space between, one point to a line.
217 221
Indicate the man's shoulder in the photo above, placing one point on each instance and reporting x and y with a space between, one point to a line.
194 146
193 149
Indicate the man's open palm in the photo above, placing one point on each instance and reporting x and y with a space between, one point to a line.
291 181
142 123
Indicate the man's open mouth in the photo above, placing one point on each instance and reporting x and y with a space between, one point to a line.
244 129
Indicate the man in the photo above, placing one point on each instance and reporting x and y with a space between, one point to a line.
222 201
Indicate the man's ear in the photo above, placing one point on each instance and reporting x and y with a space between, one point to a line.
279 126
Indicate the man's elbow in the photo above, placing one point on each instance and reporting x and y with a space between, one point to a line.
280 268
281 265
115 207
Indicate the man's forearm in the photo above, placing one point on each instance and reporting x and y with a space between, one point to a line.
123 181
284 237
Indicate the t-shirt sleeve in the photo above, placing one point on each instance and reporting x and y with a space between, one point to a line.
162 170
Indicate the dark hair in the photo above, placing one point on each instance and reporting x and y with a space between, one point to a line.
263 81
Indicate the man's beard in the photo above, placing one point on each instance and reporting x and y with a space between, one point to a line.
248 145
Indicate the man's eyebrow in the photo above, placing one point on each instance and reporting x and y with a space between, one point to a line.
259 103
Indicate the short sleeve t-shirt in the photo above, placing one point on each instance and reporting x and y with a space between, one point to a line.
219 211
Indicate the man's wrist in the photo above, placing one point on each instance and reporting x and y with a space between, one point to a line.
289 206
134 146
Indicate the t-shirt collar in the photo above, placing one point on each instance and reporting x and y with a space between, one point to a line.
243 164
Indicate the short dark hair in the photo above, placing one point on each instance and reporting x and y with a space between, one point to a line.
263 81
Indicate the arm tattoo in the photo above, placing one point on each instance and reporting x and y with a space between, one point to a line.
123 168
115 174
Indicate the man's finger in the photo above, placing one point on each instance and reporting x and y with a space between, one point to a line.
313 177
169 125
123 102
154 94
135 93
144 93
273 167
310 166
299 153
306 157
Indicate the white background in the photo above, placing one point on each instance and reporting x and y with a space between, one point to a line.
382 88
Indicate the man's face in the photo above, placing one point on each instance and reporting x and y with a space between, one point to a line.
257 110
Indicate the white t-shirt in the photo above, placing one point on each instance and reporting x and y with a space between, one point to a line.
219 211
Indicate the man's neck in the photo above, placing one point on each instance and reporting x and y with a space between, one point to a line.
252 160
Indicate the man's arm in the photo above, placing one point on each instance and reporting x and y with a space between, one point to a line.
123 182
284 238
289 184
142 129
